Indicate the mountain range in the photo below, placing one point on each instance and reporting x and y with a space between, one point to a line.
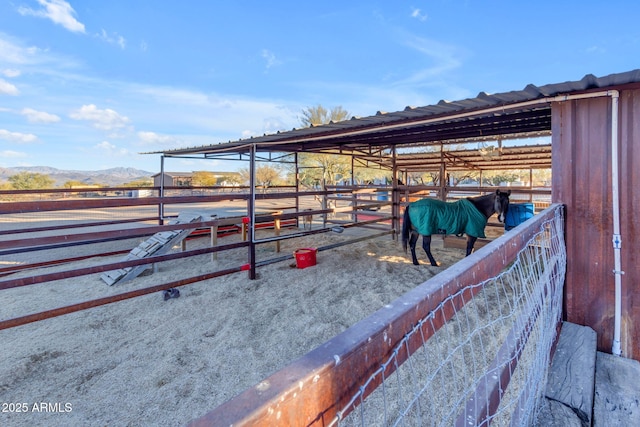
110 177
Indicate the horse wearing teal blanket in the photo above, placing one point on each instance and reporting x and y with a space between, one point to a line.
468 216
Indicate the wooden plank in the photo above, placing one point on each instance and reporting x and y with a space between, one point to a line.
276 226
556 414
571 377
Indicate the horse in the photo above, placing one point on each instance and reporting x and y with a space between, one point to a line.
466 216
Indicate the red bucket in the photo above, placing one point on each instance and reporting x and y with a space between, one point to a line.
305 257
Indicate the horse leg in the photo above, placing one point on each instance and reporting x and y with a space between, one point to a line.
412 244
426 245
470 242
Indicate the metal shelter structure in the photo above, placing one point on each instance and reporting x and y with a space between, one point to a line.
415 138
428 139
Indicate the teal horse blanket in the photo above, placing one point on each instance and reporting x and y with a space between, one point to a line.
432 216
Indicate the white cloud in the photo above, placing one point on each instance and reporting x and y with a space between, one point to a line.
247 134
191 164
11 72
173 96
20 138
106 145
34 116
102 119
111 150
58 11
417 13
113 39
10 154
596 49
11 52
152 138
15 53
444 58
7 88
217 116
272 124
270 58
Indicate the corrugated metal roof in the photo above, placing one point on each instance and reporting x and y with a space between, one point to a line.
487 116
490 158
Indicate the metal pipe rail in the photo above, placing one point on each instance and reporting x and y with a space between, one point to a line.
35 317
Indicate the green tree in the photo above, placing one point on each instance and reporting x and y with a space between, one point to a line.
318 115
30 181
460 176
230 179
496 177
73 184
316 168
266 175
542 177
204 179
365 174
320 167
144 182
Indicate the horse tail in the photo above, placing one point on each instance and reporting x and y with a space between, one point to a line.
406 229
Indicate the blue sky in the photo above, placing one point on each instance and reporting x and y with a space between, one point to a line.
88 85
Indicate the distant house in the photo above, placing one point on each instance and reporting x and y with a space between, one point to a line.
185 179
173 179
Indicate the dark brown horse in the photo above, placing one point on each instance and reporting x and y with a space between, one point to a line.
468 216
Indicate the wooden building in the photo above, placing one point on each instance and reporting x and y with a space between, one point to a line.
173 179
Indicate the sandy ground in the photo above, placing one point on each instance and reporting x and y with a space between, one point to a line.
147 361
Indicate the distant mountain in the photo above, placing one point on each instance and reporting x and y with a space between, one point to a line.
111 177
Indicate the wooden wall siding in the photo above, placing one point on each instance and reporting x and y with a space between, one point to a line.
581 160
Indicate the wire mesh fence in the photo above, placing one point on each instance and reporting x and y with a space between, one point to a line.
488 363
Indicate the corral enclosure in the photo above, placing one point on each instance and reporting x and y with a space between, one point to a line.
567 112
56 270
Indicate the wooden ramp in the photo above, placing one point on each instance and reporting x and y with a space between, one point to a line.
158 244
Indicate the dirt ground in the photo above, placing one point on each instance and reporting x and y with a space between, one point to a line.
149 361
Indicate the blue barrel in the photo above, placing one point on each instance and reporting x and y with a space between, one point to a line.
517 214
